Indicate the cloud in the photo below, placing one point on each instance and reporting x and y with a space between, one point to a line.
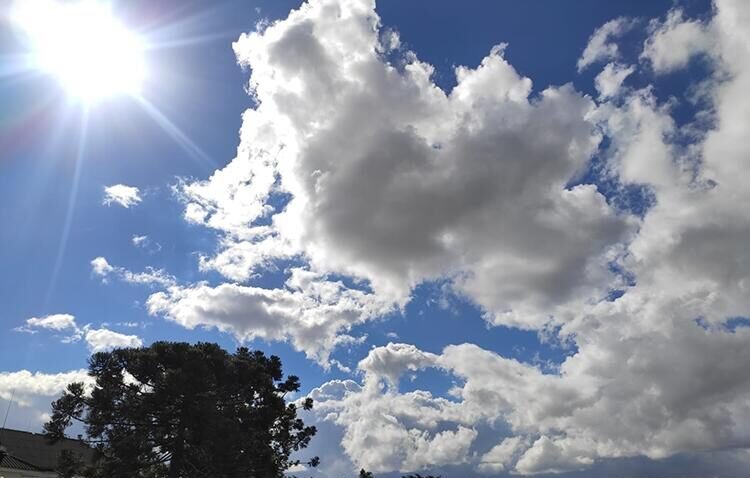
595 408
101 267
609 81
97 340
313 313
61 323
600 47
146 243
26 395
125 196
675 41
102 340
363 169
53 322
501 455
400 182
658 371
296 469
393 359
151 277
22 386
547 456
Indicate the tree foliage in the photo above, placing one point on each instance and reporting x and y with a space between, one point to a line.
180 410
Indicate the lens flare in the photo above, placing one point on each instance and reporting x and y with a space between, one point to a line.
86 48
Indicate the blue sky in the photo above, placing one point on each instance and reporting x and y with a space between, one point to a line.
476 231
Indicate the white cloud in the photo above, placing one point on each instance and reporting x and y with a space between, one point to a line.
502 455
151 277
399 183
609 81
393 182
600 47
101 267
102 340
609 401
53 322
393 359
675 41
547 456
146 243
31 394
61 323
386 431
98 340
334 390
296 469
125 196
311 312
23 386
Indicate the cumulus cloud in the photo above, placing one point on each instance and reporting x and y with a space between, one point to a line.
547 456
501 456
360 168
26 395
24 386
125 196
657 371
97 340
609 82
595 408
392 360
101 267
311 312
675 41
400 182
102 340
601 45
52 322
60 323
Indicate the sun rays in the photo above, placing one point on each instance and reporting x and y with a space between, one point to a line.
82 45
98 61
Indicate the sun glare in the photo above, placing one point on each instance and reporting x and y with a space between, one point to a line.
80 43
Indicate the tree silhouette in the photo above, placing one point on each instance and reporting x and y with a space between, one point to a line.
176 410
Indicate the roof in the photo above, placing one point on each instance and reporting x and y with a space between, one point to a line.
14 463
33 451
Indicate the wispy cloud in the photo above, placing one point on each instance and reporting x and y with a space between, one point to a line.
151 277
125 196
145 243
602 45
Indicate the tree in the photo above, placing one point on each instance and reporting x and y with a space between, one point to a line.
175 410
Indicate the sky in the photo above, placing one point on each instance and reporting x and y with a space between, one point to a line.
491 238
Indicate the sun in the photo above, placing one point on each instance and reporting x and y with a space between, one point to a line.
84 46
